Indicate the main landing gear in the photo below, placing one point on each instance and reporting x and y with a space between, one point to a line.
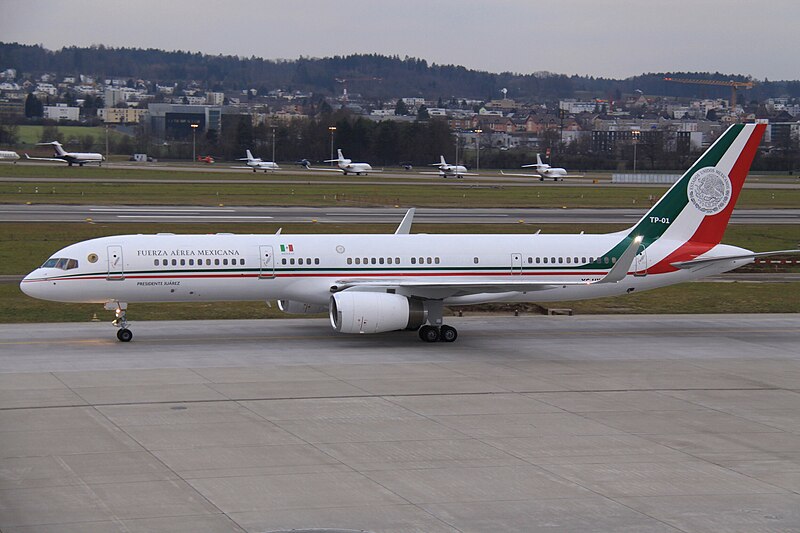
434 334
120 321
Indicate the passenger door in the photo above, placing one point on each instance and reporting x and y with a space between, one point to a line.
266 262
116 269
516 264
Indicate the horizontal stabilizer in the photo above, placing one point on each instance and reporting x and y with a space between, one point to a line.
710 260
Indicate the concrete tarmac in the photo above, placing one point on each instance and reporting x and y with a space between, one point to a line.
602 423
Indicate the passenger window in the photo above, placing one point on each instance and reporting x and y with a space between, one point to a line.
291 260
300 261
316 261
358 260
283 261
576 259
560 260
545 260
225 262
216 262
174 262
349 260
396 260
475 260
569 260
553 260
613 260
583 259
413 260
430 260
374 261
183 262
191 262
421 260
388 260
538 260
156 262
605 260
436 260
366 260
208 262
381 260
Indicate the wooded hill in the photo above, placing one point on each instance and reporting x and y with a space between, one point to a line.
375 77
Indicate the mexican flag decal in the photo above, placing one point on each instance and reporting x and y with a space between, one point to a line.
287 248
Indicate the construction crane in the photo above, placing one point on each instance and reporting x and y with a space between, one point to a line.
732 84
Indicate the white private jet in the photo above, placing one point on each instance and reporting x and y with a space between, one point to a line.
345 166
71 158
256 163
380 283
449 171
6 155
543 170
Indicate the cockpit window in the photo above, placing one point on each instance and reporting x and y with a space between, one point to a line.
61 262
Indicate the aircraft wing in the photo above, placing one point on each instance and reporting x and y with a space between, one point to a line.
705 261
453 288
44 159
521 174
321 169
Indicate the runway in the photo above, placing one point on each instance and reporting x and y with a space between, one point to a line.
354 215
659 423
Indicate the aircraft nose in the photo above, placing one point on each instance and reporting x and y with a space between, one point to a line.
32 285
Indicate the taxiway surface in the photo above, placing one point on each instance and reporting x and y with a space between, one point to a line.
354 215
631 423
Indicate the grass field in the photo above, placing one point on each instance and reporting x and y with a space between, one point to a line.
332 194
30 135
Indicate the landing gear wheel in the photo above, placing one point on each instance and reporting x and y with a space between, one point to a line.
124 335
429 333
448 333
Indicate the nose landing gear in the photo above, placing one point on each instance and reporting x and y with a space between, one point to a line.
120 321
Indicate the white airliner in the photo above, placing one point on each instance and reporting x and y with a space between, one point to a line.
256 163
6 155
346 166
449 171
71 158
379 283
543 170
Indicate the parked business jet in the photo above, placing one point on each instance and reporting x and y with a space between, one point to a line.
256 163
346 166
449 171
6 155
379 283
543 170
70 158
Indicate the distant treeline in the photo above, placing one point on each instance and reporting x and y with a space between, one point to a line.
375 77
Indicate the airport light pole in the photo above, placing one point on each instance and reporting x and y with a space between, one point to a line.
635 137
194 141
332 129
273 144
478 149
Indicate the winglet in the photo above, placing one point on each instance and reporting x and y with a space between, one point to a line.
623 264
405 226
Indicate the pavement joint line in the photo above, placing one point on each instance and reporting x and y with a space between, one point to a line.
387 396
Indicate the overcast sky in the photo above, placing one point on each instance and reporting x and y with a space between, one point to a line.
611 38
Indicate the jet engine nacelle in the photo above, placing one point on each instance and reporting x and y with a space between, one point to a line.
299 308
375 312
